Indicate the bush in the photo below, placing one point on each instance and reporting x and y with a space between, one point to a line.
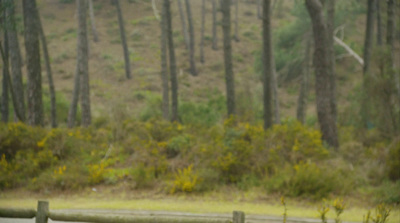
393 163
305 180
185 180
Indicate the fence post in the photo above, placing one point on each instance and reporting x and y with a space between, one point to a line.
42 210
238 217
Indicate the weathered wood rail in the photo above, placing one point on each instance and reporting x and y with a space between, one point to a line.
43 213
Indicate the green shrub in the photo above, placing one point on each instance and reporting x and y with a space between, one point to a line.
393 162
388 192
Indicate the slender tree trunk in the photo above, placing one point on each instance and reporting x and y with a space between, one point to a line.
123 39
302 100
259 13
378 24
34 89
330 25
164 67
49 73
229 76
203 18
16 63
172 63
390 39
193 69
4 96
183 23
83 63
7 74
75 98
275 96
268 67
93 22
390 30
322 70
368 36
214 25
236 37
367 58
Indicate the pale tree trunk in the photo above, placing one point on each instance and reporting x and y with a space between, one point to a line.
83 62
49 73
302 100
214 25
123 40
164 67
367 58
330 25
34 88
193 69
93 22
172 63
229 76
183 23
268 67
378 24
322 73
203 18
236 36
16 63
4 96
259 13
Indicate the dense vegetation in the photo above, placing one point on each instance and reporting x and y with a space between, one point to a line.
129 142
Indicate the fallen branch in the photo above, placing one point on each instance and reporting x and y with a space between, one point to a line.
349 50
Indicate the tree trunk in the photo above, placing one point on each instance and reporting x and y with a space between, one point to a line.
267 63
16 63
172 62
368 36
83 62
323 72
390 39
203 18
378 24
49 73
236 36
367 58
193 69
302 100
123 39
229 76
34 88
93 22
164 67
330 25
390 30
274 82
183 22
214 25
259 13
7 74
75 98
4 96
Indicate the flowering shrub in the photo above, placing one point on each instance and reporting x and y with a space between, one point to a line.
185 180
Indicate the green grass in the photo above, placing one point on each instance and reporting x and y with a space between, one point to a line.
184 204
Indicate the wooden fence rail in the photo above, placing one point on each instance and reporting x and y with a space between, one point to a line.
43 213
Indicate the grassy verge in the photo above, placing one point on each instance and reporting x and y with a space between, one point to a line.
184 204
